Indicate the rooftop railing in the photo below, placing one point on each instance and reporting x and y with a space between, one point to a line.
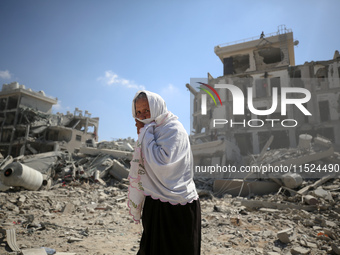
278 32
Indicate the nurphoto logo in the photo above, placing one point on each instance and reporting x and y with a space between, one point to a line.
297 97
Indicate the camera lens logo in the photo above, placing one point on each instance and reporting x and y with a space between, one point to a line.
204 97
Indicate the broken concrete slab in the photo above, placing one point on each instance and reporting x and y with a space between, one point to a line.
335 248
118 170
12 240
36 251
68 208
254 204
115 153
42 162
305 158
65 253
238 187
300 251
286 235
316 184
320 192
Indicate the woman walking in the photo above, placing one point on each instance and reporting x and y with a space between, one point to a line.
161 188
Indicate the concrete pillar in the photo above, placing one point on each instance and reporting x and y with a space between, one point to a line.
256 144
292 139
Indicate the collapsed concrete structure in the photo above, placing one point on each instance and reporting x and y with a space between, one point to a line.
262 69
263 64
27 125
42 152
40 149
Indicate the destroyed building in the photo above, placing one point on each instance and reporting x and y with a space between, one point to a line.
29 127
263 63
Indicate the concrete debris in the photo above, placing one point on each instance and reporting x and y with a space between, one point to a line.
293 166
238 187
286 235
319 192
302 208
300 251
88 218
59 186
282 222
311 200
335 249
37 251
292 180
80 204
40 150
46 170
29 127
11 239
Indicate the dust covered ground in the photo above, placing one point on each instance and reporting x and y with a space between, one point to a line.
83 218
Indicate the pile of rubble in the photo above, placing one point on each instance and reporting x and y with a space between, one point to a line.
51 196
281 223
297 212
91 218
75 203
34 172
67 220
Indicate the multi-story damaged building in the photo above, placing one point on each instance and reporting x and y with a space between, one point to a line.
256 66
27 125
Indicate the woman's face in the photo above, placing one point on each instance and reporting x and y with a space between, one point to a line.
142 109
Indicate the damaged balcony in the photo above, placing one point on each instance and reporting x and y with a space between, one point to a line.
27 125
40 149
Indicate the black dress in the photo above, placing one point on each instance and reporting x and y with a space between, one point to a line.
170 229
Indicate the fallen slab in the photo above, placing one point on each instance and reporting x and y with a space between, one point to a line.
115 153
286 235
306 158
118 170
254 204
36 251
316 184
238 187
12 240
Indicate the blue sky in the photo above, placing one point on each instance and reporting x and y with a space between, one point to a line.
95 55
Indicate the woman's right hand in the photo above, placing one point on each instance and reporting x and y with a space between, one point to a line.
139 125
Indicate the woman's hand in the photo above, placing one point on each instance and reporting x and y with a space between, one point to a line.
139 125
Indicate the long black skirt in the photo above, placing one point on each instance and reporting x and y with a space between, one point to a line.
170 229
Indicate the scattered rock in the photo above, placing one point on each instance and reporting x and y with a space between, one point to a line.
286 235
299 251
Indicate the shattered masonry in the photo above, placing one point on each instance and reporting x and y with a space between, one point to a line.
29 127
264 63
40 149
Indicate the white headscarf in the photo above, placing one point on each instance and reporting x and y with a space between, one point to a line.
162 166
156 104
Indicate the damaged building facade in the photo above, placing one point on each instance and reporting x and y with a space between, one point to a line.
264 63
27 125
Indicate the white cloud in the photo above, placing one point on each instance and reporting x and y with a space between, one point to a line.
59 108
170 90
5 74
112 79
172 96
